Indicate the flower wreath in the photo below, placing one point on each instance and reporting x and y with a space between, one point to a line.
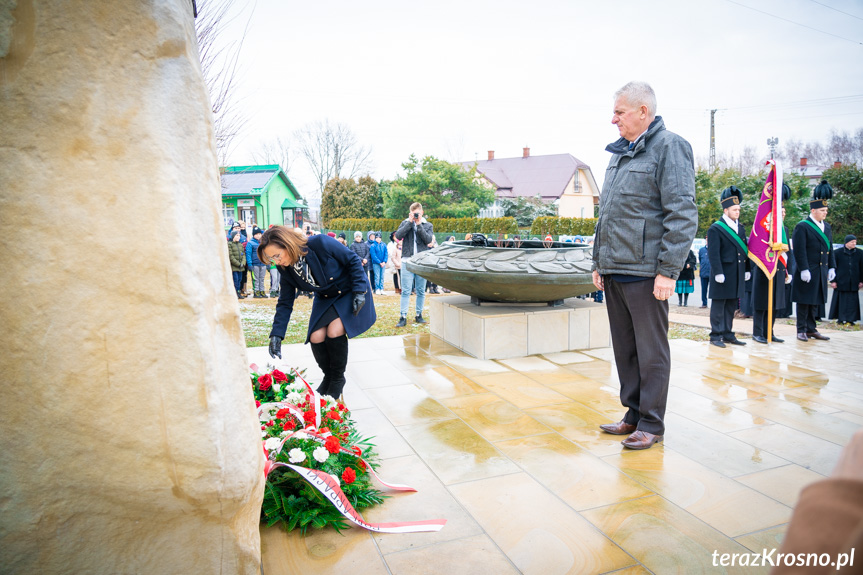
318 468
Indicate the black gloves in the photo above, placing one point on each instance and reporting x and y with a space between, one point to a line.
359 301
276 347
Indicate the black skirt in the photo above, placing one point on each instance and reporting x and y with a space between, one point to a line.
326 319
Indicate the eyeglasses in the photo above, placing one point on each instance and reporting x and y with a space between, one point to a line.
275 257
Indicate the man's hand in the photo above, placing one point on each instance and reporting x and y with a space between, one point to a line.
597 281
747 276
383 264
359 301
276 347
663 287
365 261
806 276
831 274
833 285
719 278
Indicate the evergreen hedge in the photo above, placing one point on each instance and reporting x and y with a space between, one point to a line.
555 226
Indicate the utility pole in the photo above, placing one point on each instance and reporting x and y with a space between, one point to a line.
712 161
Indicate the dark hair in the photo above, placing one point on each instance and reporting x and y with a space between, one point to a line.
287 239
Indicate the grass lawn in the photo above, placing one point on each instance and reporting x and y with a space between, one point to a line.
257 317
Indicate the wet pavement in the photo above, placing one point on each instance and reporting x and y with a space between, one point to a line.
510 453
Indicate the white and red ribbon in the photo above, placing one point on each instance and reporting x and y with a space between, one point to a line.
329 487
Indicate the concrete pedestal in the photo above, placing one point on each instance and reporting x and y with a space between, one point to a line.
507 331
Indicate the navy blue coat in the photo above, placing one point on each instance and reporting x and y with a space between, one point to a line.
340 273
811 253
727 257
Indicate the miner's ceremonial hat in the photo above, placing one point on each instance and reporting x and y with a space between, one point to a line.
822 193
731 196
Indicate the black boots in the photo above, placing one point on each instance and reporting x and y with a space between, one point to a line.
419 318
337 348
322 357
403 321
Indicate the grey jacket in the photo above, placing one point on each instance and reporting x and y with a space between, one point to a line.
424 234
647 213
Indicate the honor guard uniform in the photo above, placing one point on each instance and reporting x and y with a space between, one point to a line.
761 283
845 305
729 267
812 242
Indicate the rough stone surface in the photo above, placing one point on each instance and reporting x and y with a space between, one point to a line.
128 440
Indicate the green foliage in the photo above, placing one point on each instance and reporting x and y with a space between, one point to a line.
709 186
544 226
346 198
525 210
447 226
445 190
846 208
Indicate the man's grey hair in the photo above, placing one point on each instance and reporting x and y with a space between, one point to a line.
637 94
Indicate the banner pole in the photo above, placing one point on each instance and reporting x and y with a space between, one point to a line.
770 310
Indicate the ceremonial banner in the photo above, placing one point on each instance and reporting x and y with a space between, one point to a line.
766 242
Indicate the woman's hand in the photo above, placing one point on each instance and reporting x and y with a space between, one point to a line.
276 347
359 301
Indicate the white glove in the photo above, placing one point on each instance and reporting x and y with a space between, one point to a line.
747 276
831 274
787 279
806 276
720 279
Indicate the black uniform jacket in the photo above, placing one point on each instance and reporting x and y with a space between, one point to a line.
339 273
849 269
812 253
727 257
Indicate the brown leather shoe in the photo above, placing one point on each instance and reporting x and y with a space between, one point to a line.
641 440
802 337
619 428
816 335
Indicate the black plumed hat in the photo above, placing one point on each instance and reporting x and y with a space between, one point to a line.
786 192
731 196
822 193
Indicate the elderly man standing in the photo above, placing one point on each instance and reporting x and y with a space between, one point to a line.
812 242
647 221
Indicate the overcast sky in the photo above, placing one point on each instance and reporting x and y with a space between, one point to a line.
455 79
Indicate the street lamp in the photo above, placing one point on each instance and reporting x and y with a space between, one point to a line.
771 143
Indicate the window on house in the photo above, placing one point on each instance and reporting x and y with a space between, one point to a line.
228 214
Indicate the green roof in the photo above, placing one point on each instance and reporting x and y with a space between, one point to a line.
289 203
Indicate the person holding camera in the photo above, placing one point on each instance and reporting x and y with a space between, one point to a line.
342 307
417 235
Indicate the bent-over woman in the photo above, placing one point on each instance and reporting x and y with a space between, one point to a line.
342 305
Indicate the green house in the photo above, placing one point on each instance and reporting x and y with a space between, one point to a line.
262 196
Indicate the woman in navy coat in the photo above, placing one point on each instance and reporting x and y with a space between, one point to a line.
342 307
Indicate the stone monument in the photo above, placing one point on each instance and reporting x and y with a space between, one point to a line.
128 438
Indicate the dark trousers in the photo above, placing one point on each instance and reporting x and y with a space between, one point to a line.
705 283
721 316
759 323
639 337
807 315
372 278
397 274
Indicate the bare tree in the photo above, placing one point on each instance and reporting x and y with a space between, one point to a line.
277 151
219 65
332 151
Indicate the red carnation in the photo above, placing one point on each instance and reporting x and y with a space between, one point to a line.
323 403
279 376
357 450
309 416
283 413
270 423
265 382
257 403
349 475
332 444
361 464
342 407
334 415
290 425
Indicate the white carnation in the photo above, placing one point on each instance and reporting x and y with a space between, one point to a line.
296 455
294 398
301 435
272 443
277 388
321 454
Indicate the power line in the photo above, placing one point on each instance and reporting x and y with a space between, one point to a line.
836 9
801 103
796 23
